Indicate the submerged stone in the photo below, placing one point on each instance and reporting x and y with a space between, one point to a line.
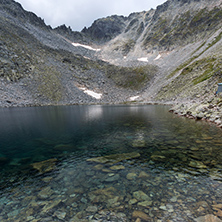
102 195
113 202
133 201
141 215
117 167
163 207
92 209
208 218
197 164
173 199
140 195
146 204
45 166
217 206
131 176
45 193
158 158
98 167
143 175
60 215
112 178
114 158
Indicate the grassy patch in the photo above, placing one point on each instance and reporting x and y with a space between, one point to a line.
183 66
180 67
131 77
50 86
206 75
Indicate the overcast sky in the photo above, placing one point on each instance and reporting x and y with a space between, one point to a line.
81 13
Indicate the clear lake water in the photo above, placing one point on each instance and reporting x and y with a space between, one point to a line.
108 163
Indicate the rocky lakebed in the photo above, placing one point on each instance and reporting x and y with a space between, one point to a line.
141 165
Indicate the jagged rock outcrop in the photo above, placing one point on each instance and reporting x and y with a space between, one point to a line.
15 9
105 29
67 32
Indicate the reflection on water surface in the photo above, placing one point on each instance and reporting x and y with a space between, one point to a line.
108 163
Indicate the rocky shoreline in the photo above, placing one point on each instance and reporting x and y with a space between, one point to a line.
210 111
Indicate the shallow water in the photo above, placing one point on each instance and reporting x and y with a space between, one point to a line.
168 168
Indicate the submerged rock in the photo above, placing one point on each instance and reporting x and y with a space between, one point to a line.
208 218
133 201
131 176
146 203
114 158
140 195
45 166
112 178
50 205
141 215
143 175
117 167
102 195
45 193
197 164
92 209
60 215
158 158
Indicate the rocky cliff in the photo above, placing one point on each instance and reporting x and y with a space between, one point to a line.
169 54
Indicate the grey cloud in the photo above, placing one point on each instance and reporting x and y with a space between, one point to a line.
79 14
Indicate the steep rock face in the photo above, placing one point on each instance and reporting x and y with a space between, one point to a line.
174 24
71 35
105 29
179 22
15 9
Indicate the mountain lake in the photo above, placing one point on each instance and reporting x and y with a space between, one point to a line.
108 163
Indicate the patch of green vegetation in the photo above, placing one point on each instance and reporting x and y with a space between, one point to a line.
131 77
160 28
182 66
216 40
184 29
199 47
50 85
210 67
206 75
186 70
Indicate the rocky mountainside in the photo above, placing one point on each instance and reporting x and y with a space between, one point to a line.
170 54
40 66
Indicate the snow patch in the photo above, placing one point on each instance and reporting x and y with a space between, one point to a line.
85 46
143 59
134 98
158 57
91 93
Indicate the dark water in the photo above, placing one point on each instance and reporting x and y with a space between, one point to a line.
168 168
